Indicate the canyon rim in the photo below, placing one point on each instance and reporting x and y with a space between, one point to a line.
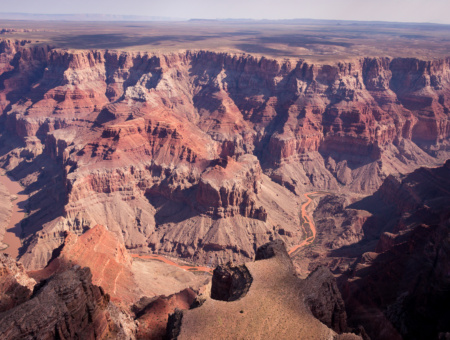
178 174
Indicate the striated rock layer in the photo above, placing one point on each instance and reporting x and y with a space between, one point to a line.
201 154
69 306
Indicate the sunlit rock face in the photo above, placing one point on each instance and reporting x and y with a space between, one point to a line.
202 154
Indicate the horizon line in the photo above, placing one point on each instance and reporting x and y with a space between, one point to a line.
164 18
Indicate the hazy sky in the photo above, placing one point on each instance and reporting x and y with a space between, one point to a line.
437 11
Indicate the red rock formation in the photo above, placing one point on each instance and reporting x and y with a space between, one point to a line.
230 188
107 258
15 285
128 131
265 299
152 315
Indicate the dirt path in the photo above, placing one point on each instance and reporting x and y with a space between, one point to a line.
13 230
309 220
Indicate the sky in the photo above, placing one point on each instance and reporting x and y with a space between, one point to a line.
435 11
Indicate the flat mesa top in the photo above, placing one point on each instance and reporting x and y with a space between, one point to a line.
307 39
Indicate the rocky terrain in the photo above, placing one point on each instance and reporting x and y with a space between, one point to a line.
108 259
152 314
389 252
112 267
106 299
66 307
265 300
400 289
207 156
15 285
202 154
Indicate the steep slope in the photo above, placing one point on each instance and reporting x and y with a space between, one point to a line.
124 279
69 306
152 314
400 289
107 258
201 154
15 285
342 234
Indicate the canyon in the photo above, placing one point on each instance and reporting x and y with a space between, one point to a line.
202 155
152 168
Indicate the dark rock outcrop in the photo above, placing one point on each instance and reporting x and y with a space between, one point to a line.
174 325
15 285
324 299
401 289
230 283
68 306
272 249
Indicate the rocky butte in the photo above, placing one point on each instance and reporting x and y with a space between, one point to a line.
207 157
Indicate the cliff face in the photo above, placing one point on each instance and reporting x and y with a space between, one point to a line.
400 289
152 314
139 138
15 285
66 307
107 258
323 298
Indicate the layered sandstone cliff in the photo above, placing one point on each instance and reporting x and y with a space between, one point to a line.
200 154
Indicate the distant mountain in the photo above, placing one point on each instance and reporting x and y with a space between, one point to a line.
83 17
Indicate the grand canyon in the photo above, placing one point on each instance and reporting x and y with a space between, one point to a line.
264 180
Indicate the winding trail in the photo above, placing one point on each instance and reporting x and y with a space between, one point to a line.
309 220
14 229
